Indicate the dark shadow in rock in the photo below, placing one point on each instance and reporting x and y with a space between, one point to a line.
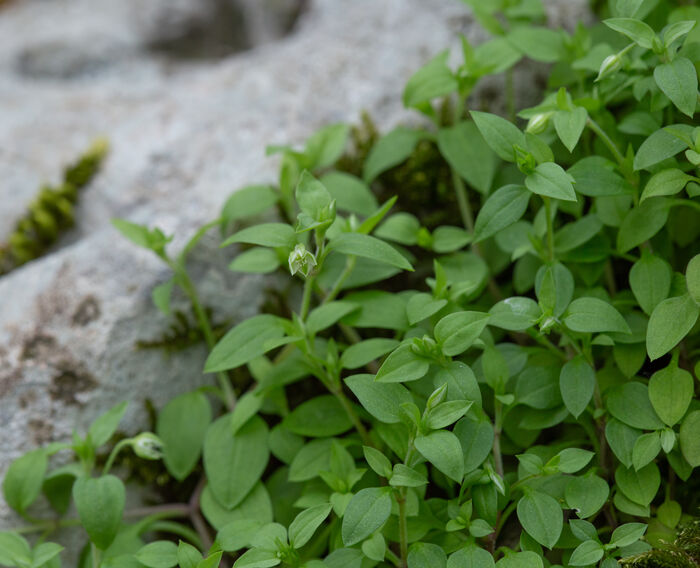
64 60
69 381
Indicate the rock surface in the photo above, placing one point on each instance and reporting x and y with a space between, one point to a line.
184 134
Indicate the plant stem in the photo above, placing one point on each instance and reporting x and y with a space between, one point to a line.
462 201
550 229
113 454
403 527
350 411
497 427
179 530
595 127
191 292
510 94
306 296
349 267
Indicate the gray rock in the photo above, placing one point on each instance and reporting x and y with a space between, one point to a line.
183 136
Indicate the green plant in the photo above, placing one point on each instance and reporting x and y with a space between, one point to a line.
516 392
51 212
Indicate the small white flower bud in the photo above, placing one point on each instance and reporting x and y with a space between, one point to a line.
301 260
538 123
610 64
148 446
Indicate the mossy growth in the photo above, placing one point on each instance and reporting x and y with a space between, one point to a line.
683 553
183 332
423 180
51 212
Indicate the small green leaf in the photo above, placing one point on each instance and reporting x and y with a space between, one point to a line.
465 150
377 461
587 553
569 125
587 495
312 196
234 463
679 82
542 517
23 480
692 278
471 556
659 146
671 320
690 438
538 43
350 193
318 417
426 555
435 79
265 234
645 449
182 425
161 296
324 147
577 383
650 281
404 476
305 524
456 332
159 554
500 134
187 555
369 247
671 391
100 504
248 201
244 342
237 534
422 306
442 449
401 228
476 439
636 30
639 486
366 351
550 180
402 365
101 430
665 182
257 260
257 558
630 404
44 553
328 314
572 460
591 315
381 400
627 534
515 314
389 151
14 550
503 208
366 512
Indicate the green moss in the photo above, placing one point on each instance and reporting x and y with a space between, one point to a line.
683 553
51 212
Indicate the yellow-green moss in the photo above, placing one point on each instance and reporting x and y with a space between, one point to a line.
51 212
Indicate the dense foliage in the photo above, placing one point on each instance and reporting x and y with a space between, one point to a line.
517 392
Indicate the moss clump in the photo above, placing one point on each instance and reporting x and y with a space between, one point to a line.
423 180
50 213
683 553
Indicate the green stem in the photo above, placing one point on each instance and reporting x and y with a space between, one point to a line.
191 292
510 94
497 428
595 127
179 530
349 267
350 411
96 560
547 344
403 527
395 560
306 296
113 454
462 201
550 228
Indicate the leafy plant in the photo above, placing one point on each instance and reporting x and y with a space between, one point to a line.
516 392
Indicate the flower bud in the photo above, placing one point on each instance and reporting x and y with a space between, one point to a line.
148 446
301 260
610 64
538 123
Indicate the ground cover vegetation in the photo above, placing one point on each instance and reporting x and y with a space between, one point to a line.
487 353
